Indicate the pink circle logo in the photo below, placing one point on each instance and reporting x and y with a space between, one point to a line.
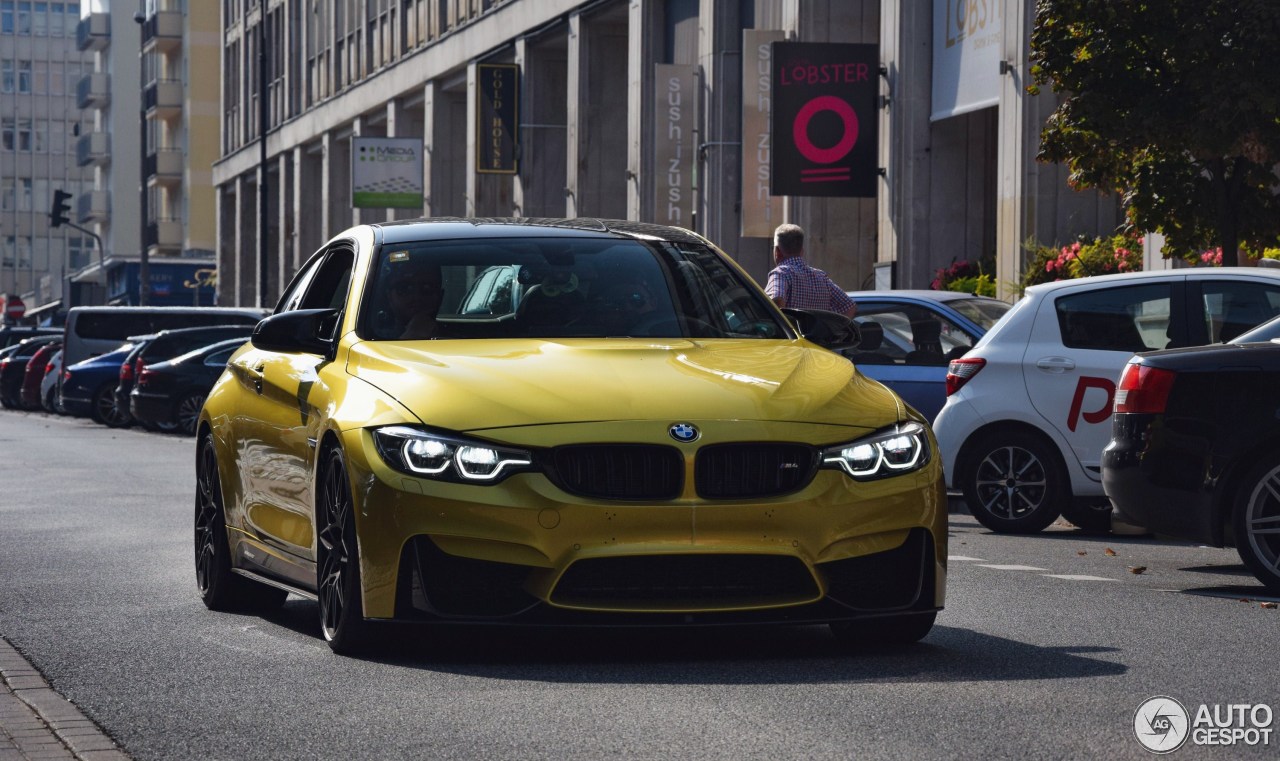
800 129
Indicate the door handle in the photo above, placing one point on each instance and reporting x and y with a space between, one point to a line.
1056 364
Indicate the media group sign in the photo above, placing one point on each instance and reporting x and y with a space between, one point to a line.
824 119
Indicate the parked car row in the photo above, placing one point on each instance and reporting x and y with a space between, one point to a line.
117 376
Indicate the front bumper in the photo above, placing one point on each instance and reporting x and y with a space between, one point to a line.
524 551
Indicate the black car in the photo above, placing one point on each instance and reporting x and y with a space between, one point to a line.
164 346
12 334
1195 446
169 395
14 367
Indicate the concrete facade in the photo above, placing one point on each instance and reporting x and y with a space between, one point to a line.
41 130
111 206
965 187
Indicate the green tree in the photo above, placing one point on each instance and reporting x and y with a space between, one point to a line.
1174 105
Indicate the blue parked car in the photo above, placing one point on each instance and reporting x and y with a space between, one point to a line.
89 387
909 337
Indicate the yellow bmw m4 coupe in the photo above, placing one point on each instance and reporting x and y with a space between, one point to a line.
551 422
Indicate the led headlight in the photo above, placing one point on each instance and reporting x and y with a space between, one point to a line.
428 454
893 451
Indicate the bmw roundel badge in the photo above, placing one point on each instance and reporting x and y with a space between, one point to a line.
684 432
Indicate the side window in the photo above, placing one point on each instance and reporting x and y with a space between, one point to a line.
1232 307
292 296
905 334
1128 319
328 289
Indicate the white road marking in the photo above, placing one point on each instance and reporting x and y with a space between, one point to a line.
1013 567
967 558
1077 577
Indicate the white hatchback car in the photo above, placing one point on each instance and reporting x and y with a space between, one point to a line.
1028 409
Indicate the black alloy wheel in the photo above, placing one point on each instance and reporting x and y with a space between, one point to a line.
1257 522
882 632
1012 482
219 587
186 414
338 561
106 411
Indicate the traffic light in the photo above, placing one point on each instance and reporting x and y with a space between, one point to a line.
58 216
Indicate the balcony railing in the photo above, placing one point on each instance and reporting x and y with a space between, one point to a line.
164 235
94 90
162 31
94 149
94 206
163 98
93 32
163 166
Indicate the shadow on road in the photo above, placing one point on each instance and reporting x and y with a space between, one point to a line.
744 655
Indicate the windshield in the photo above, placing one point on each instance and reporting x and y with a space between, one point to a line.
560 288
984 312
1267 331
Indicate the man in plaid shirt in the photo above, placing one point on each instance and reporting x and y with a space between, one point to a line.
793 283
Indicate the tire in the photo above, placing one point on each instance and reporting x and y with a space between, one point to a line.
104 409
338 559
186 414
1091 515
1257 522
881 632
1013 483
219 587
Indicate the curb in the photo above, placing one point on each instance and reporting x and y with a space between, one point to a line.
38 723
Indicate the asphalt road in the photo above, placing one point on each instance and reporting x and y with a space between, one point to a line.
1046 649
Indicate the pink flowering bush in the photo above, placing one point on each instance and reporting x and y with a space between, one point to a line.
1119 253
963 276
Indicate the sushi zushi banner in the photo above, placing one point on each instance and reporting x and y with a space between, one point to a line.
386 173
824 119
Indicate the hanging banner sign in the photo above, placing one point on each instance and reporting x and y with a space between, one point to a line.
967 38
824 120
676 114
497 124
386 173
761 211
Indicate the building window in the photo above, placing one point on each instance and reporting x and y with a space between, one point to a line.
6 16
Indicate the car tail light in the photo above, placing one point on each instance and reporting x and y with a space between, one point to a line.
1143 389
4 362
50 368
66 375
144 376
126 372
959 371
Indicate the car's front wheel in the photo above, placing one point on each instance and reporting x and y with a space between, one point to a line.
219 587
1012 482
1257 522
338 559
879 632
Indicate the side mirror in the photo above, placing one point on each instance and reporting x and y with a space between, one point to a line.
829 330
302 331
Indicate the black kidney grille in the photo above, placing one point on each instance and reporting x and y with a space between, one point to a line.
619 471
746 471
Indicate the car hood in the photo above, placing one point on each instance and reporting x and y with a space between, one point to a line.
474 385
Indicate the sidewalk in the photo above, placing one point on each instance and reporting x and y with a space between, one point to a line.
38 723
